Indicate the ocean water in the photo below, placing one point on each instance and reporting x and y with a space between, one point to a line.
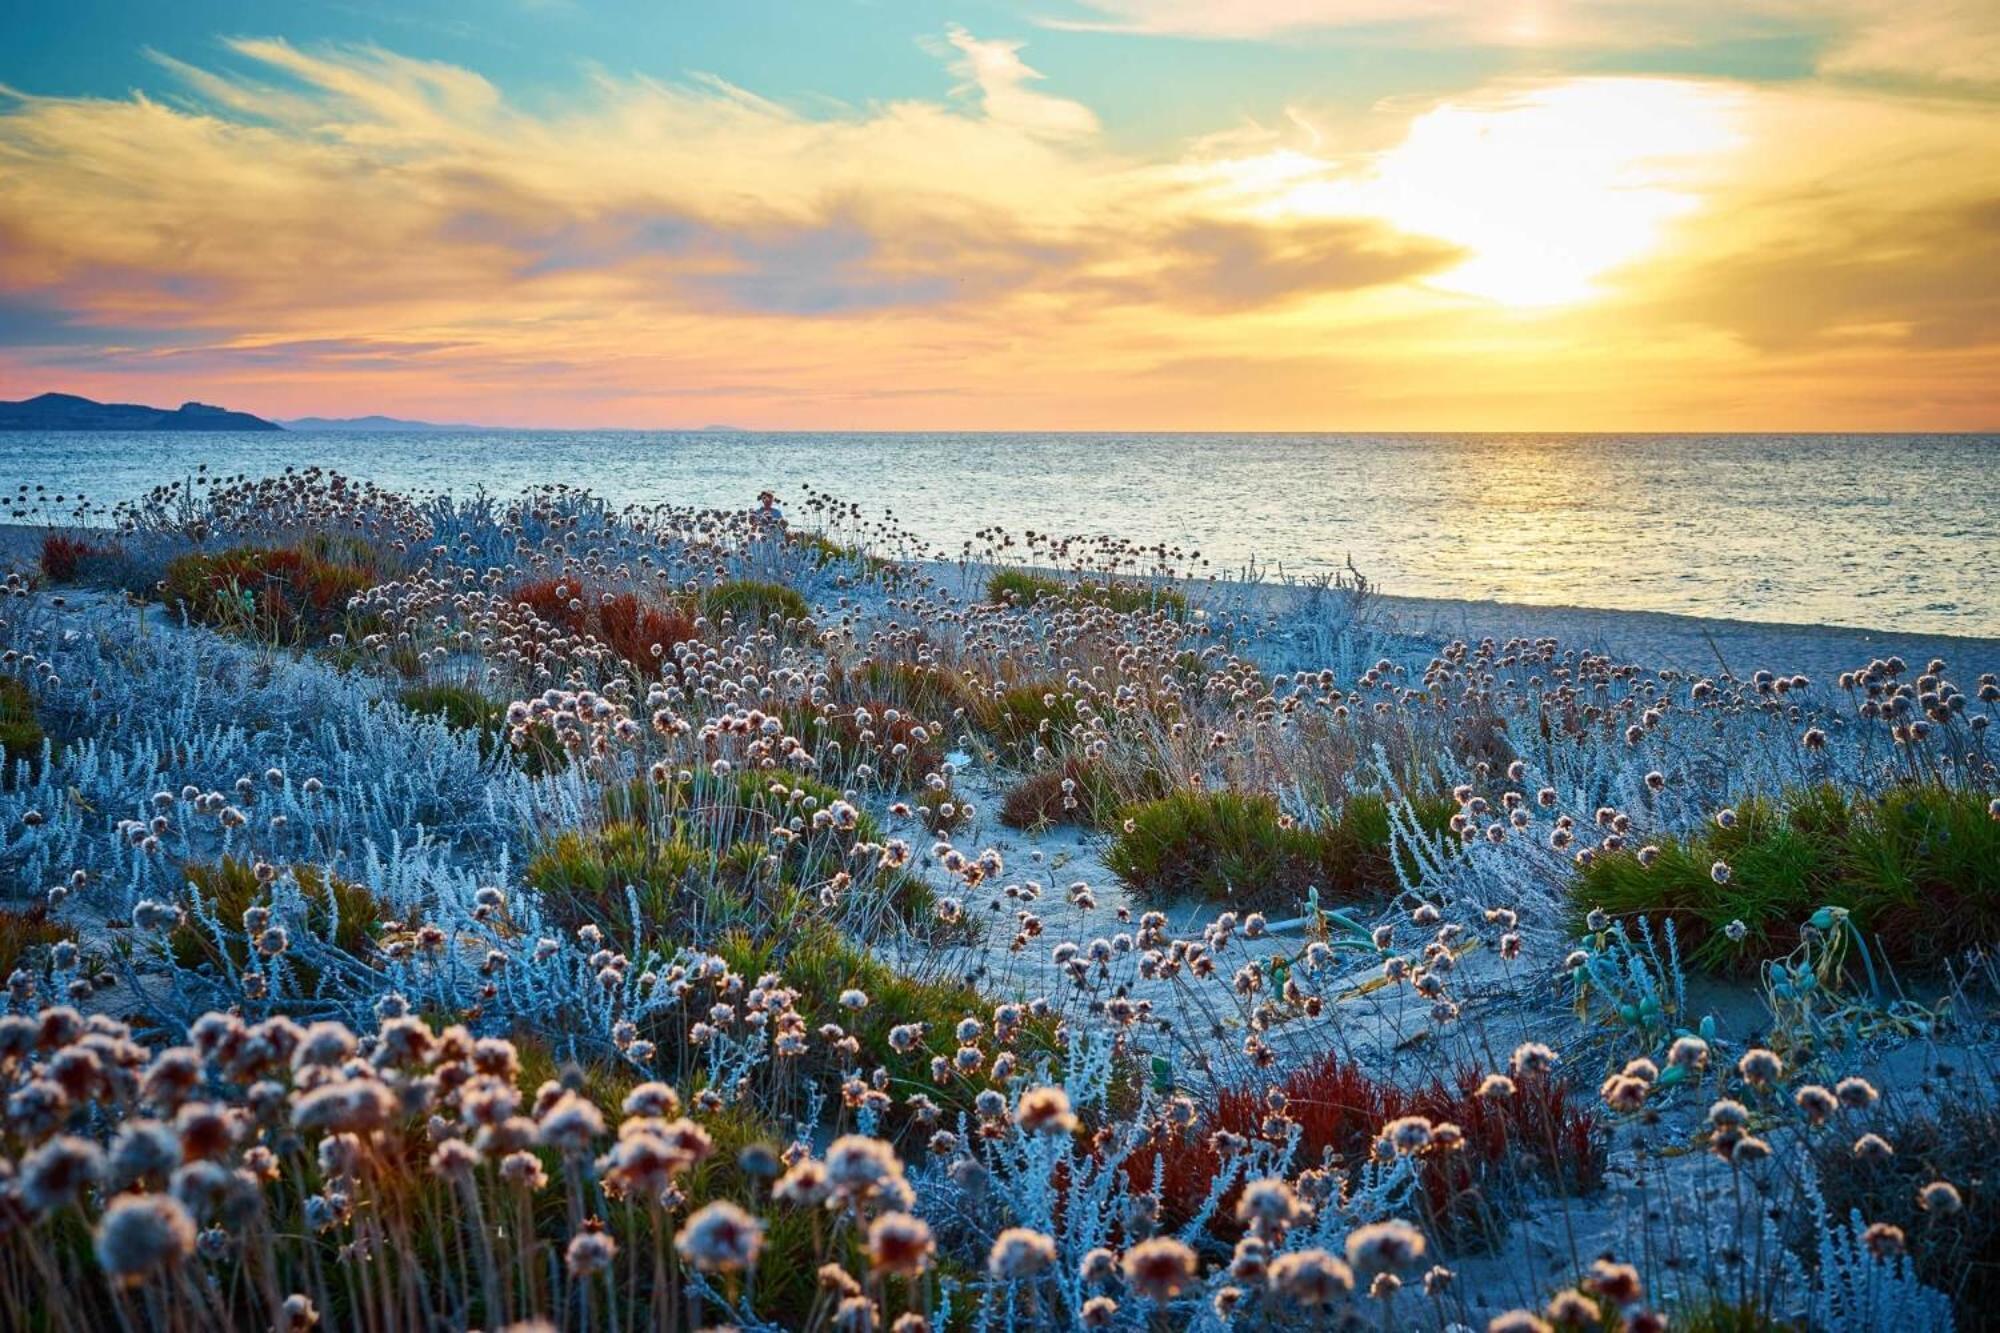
1875 531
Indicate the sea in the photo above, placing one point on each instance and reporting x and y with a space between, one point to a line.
1898 532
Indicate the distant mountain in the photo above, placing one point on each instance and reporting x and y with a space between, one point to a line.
373 423
66 411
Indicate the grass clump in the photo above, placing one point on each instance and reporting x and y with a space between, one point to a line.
286 595
1916 867
21 734
595 875
754 602
27 935
901 747
1239 847
1086 792
925 688
463 708
1018 587
344 914
1956 1142
706 854
63 556
1214 845
821 963
823 551
1029 714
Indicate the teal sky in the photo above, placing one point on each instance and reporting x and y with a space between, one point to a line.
1146 88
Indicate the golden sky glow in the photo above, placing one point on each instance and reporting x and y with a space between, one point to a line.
336 229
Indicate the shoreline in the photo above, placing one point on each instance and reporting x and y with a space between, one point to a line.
1703 645
1669 638
1699 644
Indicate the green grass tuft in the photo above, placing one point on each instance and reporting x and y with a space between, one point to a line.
229 886
752 602
21 733
1018 587
463 708
1918 867
1237 847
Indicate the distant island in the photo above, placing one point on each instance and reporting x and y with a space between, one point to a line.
66 411
375 423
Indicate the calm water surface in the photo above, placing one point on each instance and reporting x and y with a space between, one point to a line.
1890 532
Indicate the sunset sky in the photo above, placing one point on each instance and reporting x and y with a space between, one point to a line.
1089 214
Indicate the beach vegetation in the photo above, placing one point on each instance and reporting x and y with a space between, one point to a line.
1915 867
1239 847
1019 587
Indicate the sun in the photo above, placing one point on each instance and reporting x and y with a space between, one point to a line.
1545 190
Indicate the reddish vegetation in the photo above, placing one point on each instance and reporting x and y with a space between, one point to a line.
1537 1133
61 553
629 626
291 591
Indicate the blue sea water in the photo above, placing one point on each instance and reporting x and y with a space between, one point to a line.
1876 531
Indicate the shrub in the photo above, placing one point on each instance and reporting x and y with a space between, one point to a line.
1238 846
287 595
1020 588
1918 867
25 935
1956 1142
1029 714
752 602
227 888
629 627
1538 1135
463 708
21 733
62 555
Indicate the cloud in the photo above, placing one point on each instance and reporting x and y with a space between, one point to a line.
1540 24
1002 79
1945 42
316 227
1233 266
357 185
1930 41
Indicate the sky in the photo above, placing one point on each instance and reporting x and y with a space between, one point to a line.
1503 215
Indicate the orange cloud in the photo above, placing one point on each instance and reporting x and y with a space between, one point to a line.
353 228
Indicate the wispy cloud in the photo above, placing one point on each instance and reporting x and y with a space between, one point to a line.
300 227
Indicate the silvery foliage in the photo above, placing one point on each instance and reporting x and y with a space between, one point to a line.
1697 1237
1014 1182
158 708
1857 1291
482 532
408 809
539 974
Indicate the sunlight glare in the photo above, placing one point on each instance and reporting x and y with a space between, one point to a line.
1546 190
